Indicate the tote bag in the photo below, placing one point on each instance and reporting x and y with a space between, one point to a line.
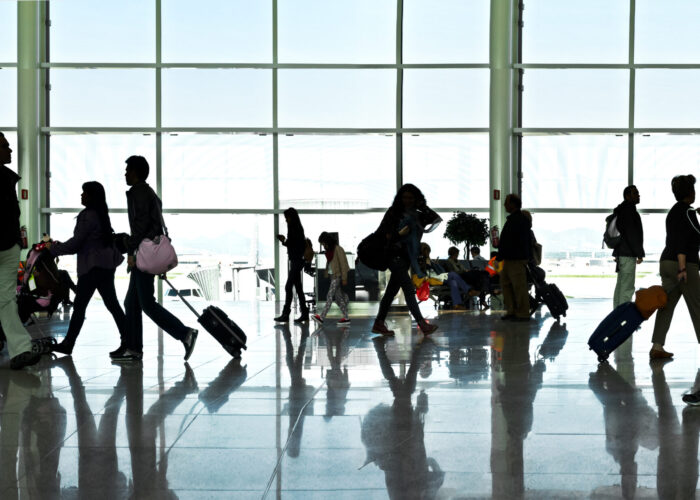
157 255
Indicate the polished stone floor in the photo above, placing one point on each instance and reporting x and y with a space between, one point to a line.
483 409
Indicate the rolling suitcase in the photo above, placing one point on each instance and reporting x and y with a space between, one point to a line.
219 325
617 327
554 299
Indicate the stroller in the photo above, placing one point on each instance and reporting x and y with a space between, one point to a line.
52 289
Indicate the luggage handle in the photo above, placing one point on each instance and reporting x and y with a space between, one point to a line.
164 278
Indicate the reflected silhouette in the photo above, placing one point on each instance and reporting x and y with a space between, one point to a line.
228 380
393 435
337 377
300 393
554 342
514 385
468 360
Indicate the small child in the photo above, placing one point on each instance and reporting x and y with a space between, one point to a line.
337 268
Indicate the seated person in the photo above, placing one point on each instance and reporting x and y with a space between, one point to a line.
457 285
477 261
478 280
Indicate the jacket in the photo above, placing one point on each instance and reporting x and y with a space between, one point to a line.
338 266
516 238
88 243
144 209
296 244
389 229
629 223
682 233
9 208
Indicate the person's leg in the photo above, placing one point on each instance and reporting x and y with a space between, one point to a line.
87 284
507 288
109 296
409 292
288 291
298 270
624 288
457 288
669 282
134 320
158 314
335 282
18 339
691 294
342 299
392 288
518 276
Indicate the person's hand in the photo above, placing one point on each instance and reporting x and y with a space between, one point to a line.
345 282
639 260
682 275
404 231
281 237
130 261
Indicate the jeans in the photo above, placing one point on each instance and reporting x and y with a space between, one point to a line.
140 298
624 288
457 287
101 280
18 339
294 281
399 279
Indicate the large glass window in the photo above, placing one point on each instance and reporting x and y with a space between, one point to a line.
8 32
667 98
667 32
8 91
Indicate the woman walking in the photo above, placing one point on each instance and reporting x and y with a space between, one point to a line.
97 261
337 268
679 264
295 241
408 200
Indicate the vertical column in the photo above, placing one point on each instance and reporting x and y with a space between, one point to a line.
399 93
501 101
28 97
630 135
275 153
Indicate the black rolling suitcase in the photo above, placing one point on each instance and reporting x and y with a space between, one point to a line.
554 299
219 325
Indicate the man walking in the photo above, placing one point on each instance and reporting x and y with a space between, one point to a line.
630 251
515 250
19 343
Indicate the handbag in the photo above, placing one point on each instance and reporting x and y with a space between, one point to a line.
156 256
373 252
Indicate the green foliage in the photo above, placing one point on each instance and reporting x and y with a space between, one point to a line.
468 230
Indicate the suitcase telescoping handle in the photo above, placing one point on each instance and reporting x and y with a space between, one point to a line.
163 277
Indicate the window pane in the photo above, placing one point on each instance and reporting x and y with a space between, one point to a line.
8 31
217 31
446 98
217 171
576 98
217 98
319 31
76 159
565 31
667 32
448 31
337 98
439 244
667 98
8 91
104 97
329 171
657 159
90 31
452 170
585 171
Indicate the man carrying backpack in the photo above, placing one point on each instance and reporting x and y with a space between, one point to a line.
630 250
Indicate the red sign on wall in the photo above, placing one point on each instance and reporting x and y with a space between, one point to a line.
496 194
25 194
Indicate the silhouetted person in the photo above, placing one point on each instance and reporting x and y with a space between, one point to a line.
19 343
515 250
630 251
337 377
295 241
300 393
408 199
146 222
98 260
337 270
228 380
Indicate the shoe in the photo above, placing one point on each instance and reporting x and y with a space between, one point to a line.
692 399
118 352
459 307
343 322
62 348
128 356
304 318
282 319
317 318
380 327
426 327
27 358
660 354
508 317
189 342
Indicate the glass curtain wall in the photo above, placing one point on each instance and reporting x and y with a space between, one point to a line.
245 107
8 73
609 99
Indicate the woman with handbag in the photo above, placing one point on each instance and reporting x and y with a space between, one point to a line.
146 223
408 199
98 259
295 241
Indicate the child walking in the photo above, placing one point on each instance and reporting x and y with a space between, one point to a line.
337 268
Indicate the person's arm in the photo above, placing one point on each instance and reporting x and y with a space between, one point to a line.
438 268
141 223
343 261
639 239
389 226
682 272
84 226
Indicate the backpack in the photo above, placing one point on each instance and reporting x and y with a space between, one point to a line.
373 252
611 236
308 251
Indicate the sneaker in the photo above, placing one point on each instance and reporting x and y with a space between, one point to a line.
27 358
692 399
343 322
128 356
118 352
426 327
304 318
189 342
317 318
282 319
380 327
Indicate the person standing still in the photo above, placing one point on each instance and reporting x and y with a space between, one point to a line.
515 249
19 342
630 251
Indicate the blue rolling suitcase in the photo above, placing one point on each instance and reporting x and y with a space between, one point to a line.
617 327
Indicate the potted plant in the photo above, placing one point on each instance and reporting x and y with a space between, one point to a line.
468 230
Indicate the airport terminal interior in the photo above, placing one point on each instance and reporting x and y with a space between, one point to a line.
246 108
